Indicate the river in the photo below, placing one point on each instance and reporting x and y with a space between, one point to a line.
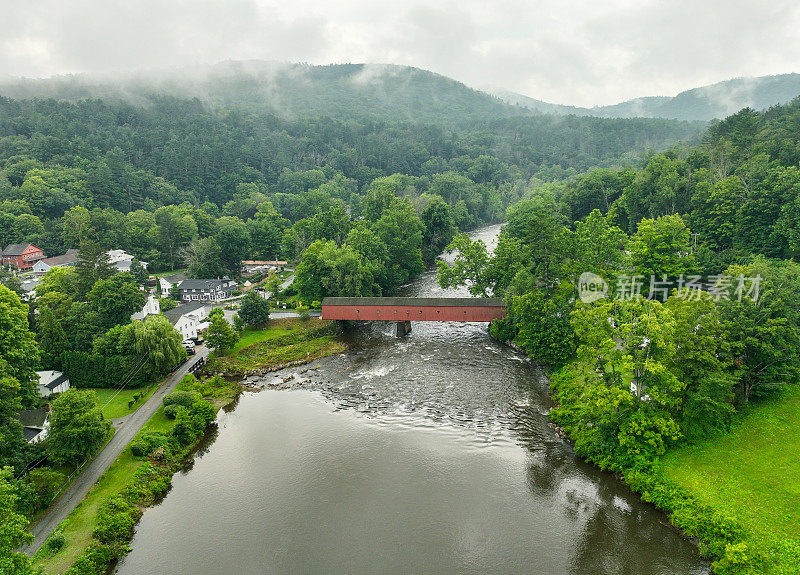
426 454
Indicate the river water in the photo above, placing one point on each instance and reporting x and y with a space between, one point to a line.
426 454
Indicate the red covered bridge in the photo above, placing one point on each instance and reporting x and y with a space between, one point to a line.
407 309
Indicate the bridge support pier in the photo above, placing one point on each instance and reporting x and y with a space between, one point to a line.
403 328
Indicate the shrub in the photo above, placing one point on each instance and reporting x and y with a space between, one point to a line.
116 520
55 542
184 398
96 559
171 411
148 442
46 483
203 413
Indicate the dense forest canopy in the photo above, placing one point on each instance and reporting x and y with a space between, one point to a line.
126 163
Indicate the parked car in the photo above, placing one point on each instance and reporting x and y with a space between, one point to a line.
188 345
197 340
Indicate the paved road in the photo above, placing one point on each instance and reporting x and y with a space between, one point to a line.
92 472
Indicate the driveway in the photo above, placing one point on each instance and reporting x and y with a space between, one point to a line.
127 430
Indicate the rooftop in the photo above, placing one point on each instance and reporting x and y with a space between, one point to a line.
174 314
51 379
15 249
32 417
210 284
68 257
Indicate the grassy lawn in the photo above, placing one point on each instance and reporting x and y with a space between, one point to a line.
118 406
753 473
283 341
276 328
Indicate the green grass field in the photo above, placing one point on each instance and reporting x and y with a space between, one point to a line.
752 473
283 341
277 328
116 405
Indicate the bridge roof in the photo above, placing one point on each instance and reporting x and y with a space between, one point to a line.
418 301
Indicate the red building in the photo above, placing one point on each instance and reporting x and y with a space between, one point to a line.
21 256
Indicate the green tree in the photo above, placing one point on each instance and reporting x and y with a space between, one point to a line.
77 427
469 267
115 299
51 337
329 270
600 246
220 334
18 351
234 241
541 320
157 340
254 310
59 280
764 332
204 259
93 265
439 227
13 447
273 284
139 272
77 226
662 246
13 533
400 229
539 225
174 230
11 281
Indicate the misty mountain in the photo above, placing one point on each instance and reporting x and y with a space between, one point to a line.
705 103
344 91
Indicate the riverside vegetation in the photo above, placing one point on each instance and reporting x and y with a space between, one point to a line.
283 341
705 379
97 532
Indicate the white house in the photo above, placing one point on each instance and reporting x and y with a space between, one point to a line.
187 318
52 382
151 307
35 424
69 259
121 260
28 285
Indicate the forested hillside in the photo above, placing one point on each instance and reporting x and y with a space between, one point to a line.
698 104
687 310
343 91
126 163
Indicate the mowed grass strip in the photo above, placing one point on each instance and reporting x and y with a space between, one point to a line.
752 473
115 404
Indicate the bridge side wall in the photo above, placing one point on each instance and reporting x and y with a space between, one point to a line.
412 313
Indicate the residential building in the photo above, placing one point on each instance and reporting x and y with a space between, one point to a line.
188 318
151 307
28 284
168 283
35 424
122 260
21 256
205 290
51 382
69 259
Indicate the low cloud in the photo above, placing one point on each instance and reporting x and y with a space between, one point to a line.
582 53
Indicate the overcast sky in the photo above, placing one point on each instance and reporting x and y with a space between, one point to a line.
590 52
